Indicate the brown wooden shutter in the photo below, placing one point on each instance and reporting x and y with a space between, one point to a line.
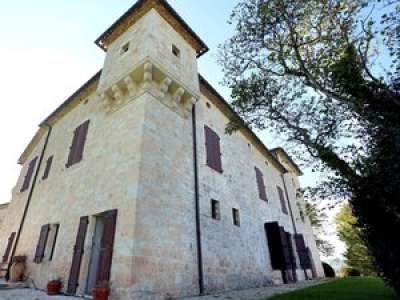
213 149
107 245
260 184
77 256
29 173
291 250
48 167
41 245
283 201
305 262
81 141
78 144
9 246
285 247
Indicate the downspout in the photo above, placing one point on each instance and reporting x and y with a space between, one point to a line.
21 225
291 216
197 204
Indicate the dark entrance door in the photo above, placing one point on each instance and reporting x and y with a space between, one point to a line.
281 251
73 281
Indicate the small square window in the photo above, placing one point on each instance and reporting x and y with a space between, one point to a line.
176 51
236 217
215 210
125 48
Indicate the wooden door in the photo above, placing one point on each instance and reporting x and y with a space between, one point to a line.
73 281
107 245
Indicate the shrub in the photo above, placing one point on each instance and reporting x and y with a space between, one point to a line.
328 270
351 272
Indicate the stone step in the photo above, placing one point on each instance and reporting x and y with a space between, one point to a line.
12 285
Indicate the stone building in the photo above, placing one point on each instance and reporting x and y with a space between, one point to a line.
132 180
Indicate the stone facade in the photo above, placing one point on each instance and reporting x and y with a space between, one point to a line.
138 159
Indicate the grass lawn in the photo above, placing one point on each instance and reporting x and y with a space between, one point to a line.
367 288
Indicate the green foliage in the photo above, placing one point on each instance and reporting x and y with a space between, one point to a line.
326 75
357 255
362 288
328 270
317 219
351 272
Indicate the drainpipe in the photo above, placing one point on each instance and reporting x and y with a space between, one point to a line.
197 204
291 216
21 225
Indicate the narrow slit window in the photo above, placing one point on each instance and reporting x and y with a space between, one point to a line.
176 51
215 210
125 48
236 217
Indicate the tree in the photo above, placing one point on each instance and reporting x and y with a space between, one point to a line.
325 74
317 219
356 255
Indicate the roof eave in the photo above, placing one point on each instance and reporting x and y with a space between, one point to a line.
100 41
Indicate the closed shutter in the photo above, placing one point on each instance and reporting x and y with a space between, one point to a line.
275 245
29 173
261 185
48 167
107 245
41 245
78 144
302 252
81 141
283 201
77 256
291 250
285 248
9 246
213 149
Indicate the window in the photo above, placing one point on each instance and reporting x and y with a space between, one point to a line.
208 105
215 210
282 199
261 186
78 144
213 149
51 242
28 176
46 244
176 51
125 48
47 169
236 217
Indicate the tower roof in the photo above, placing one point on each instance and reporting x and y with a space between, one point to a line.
138 10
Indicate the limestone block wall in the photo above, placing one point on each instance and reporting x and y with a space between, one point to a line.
107 178
16 207
165 257
237 257
151 37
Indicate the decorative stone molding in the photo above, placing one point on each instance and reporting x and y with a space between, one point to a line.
148 77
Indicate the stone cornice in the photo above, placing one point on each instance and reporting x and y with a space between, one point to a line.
138 11
148 77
